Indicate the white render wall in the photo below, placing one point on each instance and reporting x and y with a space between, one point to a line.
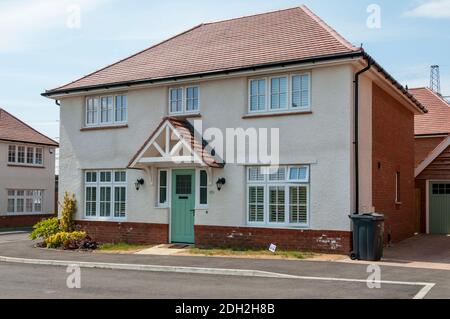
322 139
27 178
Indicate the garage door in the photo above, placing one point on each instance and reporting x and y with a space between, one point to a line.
440 208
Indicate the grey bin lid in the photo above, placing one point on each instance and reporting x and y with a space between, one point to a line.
371 216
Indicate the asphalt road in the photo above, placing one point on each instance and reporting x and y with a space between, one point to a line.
31 281
40 281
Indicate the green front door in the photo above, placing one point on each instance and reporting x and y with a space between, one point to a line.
183 204
439 208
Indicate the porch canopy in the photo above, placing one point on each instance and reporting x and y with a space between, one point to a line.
175 143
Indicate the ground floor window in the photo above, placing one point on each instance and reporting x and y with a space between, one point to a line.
25 201
278 196
105 194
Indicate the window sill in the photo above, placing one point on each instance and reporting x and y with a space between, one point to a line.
185 115
275 114
25 165
103 127
275 226
23 214
98 219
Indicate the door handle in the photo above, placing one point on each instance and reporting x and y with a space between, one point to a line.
193 211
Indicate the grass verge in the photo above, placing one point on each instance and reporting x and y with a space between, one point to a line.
122 247
242 252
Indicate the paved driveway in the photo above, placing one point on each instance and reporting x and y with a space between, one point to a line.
422 248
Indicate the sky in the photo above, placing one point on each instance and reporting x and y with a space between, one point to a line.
47 43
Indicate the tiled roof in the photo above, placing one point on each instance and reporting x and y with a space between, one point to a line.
13 129
186 130
437 120
280 36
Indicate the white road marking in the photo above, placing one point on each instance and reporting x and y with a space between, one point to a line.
426 286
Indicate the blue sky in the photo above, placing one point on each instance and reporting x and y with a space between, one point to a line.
40 48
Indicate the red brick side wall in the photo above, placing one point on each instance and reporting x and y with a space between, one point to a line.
286 239
421 188
21 220
393 150
133 233
424 146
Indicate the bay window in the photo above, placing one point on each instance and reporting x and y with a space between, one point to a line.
278 196
105 194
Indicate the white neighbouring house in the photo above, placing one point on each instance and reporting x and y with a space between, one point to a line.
125 128
27 173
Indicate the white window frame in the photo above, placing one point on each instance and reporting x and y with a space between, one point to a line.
290 108
98 111
266 100
112 185
158 203
25 163
125 120
33 197
288 93
291 92
198 205
109 110
267 183
184 100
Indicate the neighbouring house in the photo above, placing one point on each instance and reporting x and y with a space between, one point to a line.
432 161
132 154
27 173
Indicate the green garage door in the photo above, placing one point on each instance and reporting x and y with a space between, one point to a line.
440 208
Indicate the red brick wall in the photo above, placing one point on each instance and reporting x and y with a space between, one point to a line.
424 146
393 150
286 239
133 233
21 220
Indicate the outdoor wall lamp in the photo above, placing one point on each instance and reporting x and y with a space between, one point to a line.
220 182
138 183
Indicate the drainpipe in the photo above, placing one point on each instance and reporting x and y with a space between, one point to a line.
356 142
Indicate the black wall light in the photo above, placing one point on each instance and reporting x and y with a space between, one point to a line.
220 182
138 183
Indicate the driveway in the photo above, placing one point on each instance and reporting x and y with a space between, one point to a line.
421 248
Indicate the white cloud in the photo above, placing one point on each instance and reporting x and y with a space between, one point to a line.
431 9
23 20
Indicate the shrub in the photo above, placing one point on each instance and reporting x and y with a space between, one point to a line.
45 229
85 243
69 208
59 239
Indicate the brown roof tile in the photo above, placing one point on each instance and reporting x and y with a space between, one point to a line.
285 35
13 129
437 120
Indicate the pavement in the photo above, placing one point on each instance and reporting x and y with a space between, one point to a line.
138 276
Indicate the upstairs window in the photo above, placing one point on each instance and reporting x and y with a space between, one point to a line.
282 93
279 93
184 100
106 110
300 91
257 95
25 155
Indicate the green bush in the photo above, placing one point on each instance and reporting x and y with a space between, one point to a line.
46 228
69 208
57 240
